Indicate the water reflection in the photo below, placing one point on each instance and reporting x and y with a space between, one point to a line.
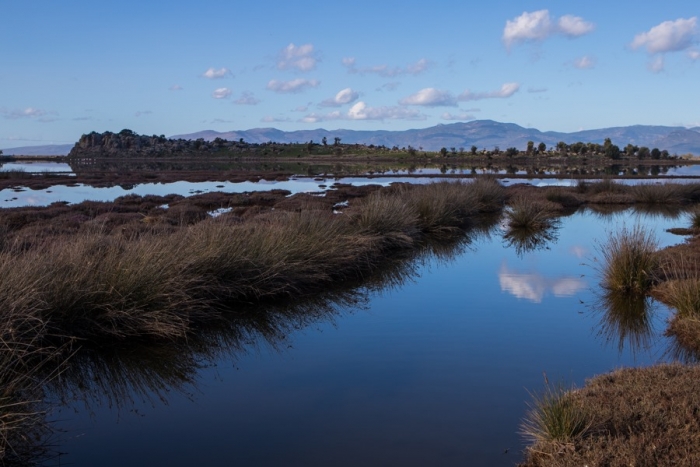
534 286
524 240
626 320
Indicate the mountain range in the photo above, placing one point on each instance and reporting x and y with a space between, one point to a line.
480 133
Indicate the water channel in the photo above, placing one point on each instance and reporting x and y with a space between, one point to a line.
429 363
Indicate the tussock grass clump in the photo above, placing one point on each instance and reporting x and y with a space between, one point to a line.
638 416
383 214
629 260
556 416
695 219
529 214
663 193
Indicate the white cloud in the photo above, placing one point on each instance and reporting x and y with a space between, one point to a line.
507 90
538 25
29 112
302 58
669 36
361 111
176 87
459 117
386 71
430 97
694 54
247 98
584 63
345 96
293 86
657 64
142 112
221 93
213 73
574 26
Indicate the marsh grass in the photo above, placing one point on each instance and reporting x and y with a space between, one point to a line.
636 416
159 284
529 214
556 416
629 260
665 193
695 219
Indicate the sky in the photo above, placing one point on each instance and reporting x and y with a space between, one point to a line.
71 67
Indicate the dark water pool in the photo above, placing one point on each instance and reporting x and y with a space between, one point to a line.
431 367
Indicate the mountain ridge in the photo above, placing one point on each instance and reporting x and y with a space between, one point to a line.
480 133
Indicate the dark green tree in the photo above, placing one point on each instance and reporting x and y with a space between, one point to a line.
655 153
473 150
643 153
530 147
324 140
443 152
542 148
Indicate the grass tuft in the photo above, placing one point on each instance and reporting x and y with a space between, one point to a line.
555 416
630 260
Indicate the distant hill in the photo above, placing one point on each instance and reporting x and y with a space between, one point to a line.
480 133
49 150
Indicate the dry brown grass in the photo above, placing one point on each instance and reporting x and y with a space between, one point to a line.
641 417
629 260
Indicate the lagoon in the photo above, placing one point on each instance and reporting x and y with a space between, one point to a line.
428 364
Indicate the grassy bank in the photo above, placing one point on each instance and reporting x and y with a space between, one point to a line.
641 417
161 284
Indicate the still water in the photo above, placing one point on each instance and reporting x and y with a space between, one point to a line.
430 364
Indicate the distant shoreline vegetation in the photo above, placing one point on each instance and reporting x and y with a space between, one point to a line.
128 144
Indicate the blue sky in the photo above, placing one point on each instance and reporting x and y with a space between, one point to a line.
71 67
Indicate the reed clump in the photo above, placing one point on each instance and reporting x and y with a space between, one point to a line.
629 260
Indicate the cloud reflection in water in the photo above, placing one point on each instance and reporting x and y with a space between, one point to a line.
533 286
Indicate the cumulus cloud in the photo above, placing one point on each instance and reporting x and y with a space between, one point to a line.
430 97
385 70
345 96
538 25
458 117
669 36
506 90
574 26
584 63
293 86
213 73
302 58
176 87
142 112
247 98
361 111
221 93
29 112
